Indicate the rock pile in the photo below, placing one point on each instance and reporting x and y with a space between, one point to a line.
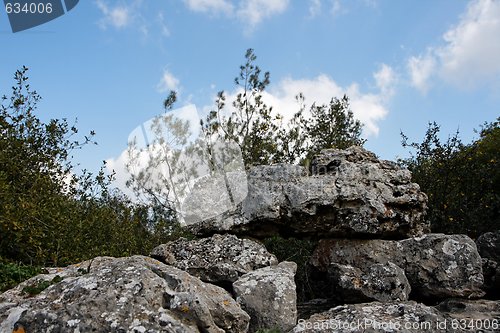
375 262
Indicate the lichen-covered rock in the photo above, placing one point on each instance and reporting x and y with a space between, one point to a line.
268 295
491 273
452 316
360 253
488 245
350 193
380 282
216 259
133 294
402 317
479 311
442 266
437 266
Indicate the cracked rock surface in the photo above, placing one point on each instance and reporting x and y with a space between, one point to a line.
216 259
350 193
132 294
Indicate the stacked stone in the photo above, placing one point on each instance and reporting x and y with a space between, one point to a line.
375 260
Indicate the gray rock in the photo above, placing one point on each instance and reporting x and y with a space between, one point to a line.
268 295
437 266
442 266
402 317
350 193
491 273
452 316
217 259
133 294
360 253
381 282
488 245
466 309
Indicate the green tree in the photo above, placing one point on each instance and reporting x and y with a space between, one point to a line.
49 215
33 169
462 181
331 126
250 122
262 134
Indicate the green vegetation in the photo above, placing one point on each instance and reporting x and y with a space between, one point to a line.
48 214
35 289
461 180
12 274
262 134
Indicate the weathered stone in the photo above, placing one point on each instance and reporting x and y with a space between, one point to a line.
381 282
477 314
374 317
491 273
442 266
217 259
350 193
360 253
488 245
133 294
268 295
437 266
452 316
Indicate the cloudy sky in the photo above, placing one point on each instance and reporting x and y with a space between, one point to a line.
110 63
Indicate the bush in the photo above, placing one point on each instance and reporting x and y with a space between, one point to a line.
48 214
461 180
12 274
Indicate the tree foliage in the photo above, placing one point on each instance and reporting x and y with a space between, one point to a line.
48 214
461 180
262 134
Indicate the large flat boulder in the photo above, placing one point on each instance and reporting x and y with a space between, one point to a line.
220 259
133 294
350 193
437 266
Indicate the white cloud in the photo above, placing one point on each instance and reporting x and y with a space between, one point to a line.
472 48
249 12
469 54
421 68
252 12
336 8
385 79
210 6
368 108
118 17
314 8
168 82
165 31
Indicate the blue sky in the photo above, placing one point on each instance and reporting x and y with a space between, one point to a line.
110 63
